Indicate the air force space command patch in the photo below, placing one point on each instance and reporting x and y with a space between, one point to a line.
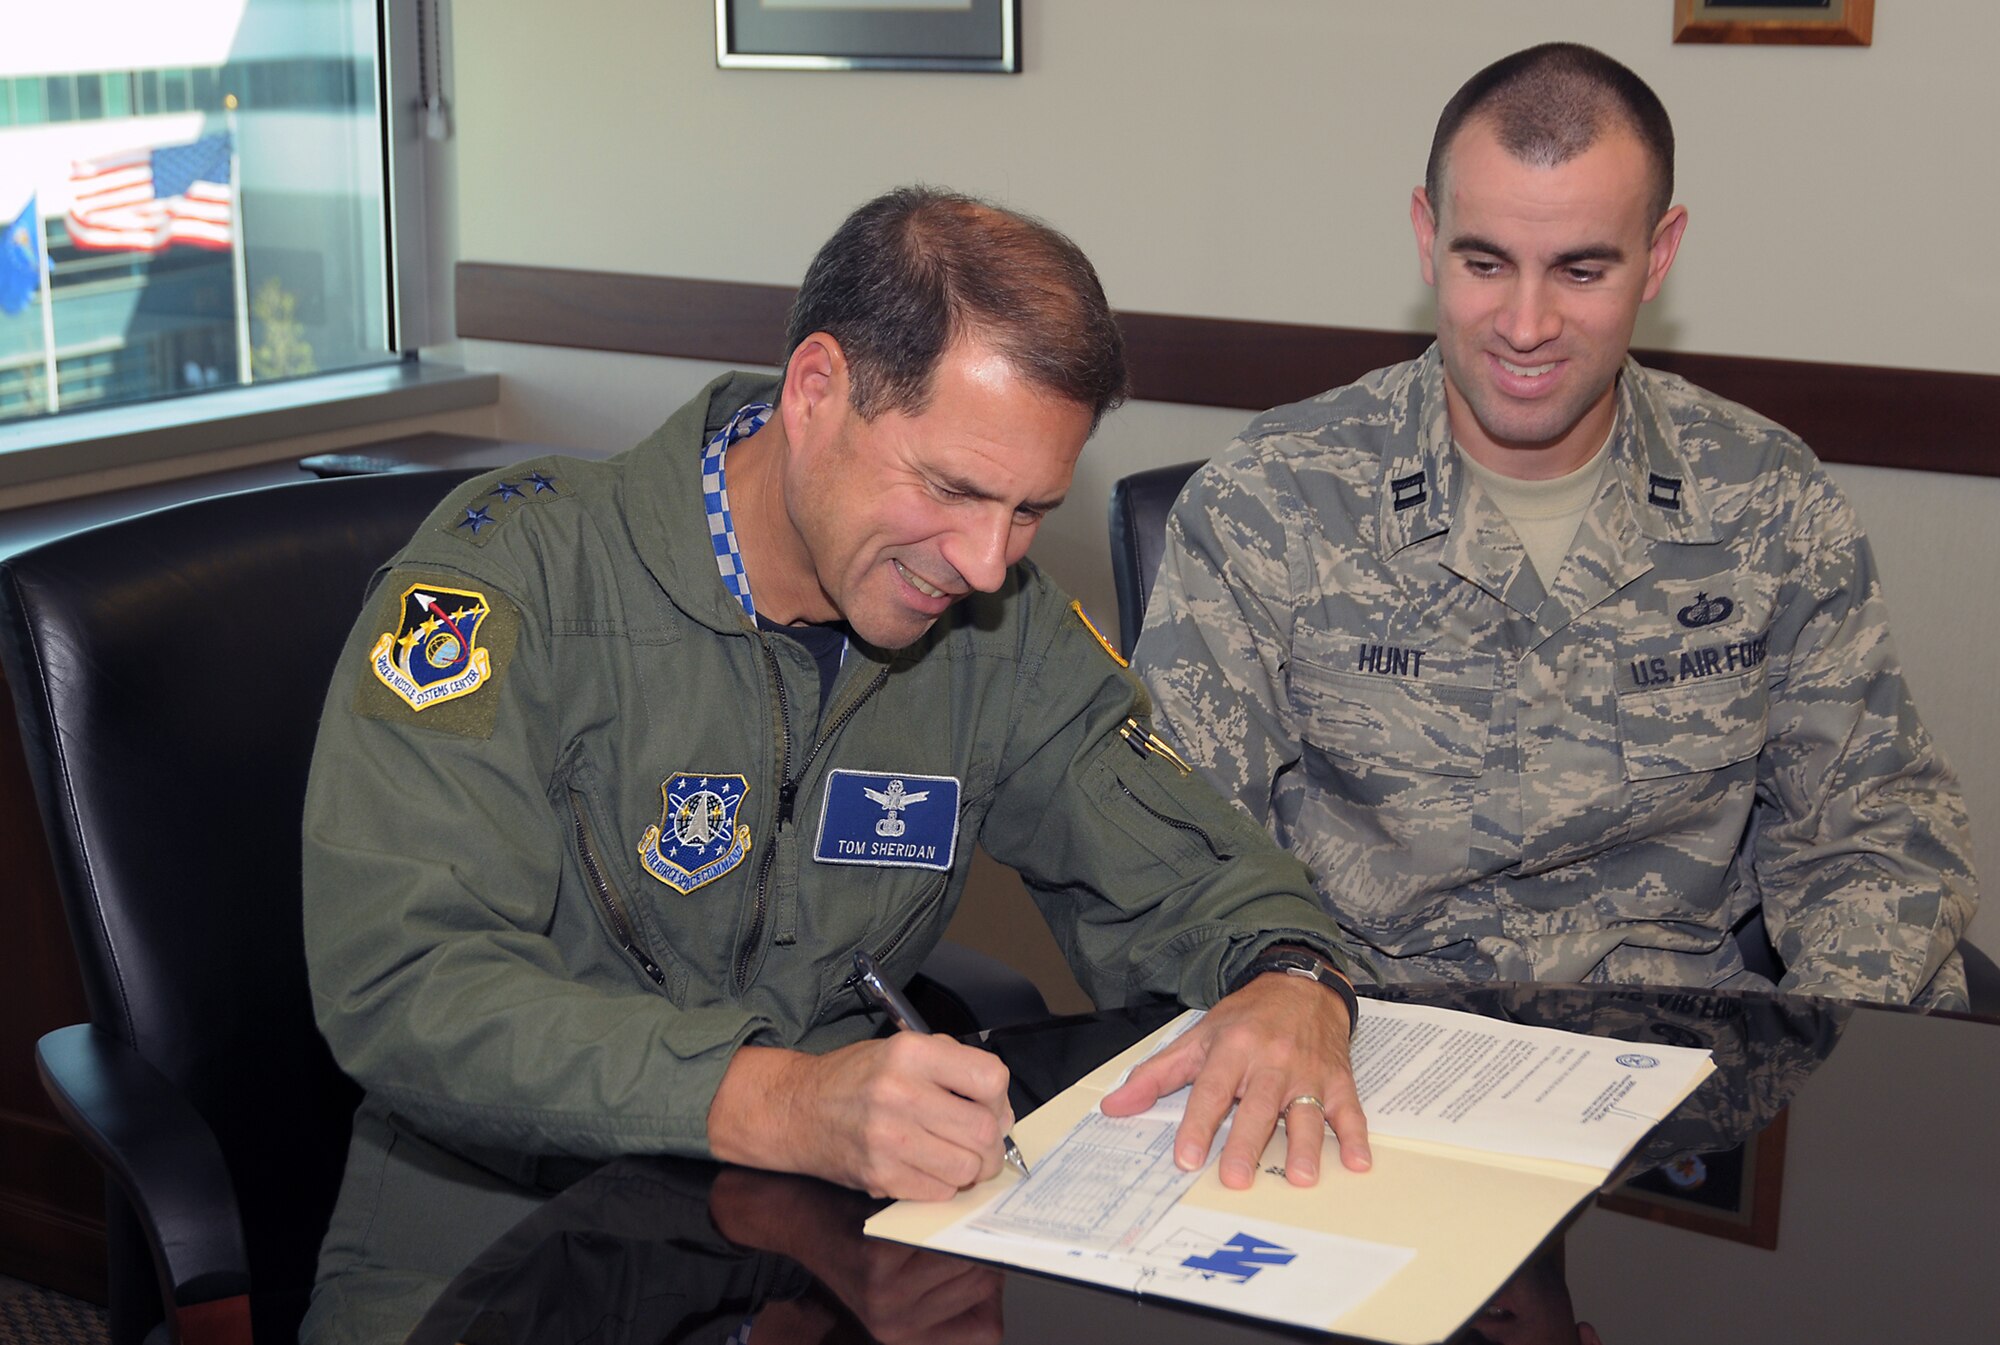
888 820
434 655
698 838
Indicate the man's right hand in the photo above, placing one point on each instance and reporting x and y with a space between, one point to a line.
910 1116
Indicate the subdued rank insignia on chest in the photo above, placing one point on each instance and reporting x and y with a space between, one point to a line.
1407 492
1664 491
888 820
698 838
434 656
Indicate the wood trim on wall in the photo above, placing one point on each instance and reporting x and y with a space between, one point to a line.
1915 419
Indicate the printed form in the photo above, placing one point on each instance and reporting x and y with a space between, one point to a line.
1510 1125
1105 1206
1535 1092
1436 1075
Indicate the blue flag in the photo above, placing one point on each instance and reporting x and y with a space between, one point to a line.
20 260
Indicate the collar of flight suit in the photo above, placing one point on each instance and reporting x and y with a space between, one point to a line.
661 497
1422 489
662 500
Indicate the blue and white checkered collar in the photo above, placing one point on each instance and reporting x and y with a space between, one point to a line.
715 497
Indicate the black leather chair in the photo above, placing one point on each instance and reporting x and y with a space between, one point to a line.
1140 504
168 672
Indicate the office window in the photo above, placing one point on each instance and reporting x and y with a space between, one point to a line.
117 95
28 101
59 93
175 83
193 198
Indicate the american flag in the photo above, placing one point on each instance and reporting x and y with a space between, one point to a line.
147 200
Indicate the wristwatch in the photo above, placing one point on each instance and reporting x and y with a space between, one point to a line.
1297 962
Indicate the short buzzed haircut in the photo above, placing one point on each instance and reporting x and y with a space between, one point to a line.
916 269
1549 104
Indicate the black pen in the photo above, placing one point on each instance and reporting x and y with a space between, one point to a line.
904 1015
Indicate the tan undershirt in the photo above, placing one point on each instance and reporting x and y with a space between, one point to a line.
1545 514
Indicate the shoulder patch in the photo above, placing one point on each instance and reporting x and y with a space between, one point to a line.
438 645
477 515
1098 635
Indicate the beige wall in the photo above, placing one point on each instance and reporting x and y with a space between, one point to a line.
1255 160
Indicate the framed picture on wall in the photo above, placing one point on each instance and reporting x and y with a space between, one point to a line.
978 35
1731 1194
1844 23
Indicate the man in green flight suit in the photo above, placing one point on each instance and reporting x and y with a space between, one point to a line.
625 761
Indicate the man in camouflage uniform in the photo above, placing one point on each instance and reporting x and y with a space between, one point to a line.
1549 666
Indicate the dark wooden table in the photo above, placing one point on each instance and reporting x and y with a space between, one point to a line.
1835 1180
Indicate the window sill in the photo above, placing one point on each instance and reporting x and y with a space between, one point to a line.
90 441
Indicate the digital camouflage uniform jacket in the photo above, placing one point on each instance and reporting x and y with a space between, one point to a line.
1701 716
544 909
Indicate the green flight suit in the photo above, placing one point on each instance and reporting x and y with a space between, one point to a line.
505 949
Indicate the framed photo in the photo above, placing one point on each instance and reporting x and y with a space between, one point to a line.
980 35
1844 23
1732 1194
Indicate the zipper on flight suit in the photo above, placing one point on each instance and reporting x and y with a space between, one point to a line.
913 919
622 927
1180 823
788 793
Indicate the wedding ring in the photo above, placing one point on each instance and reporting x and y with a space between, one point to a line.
1307 1100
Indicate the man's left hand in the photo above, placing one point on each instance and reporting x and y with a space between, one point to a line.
1277 1039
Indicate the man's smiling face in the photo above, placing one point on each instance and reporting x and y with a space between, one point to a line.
905 514
1539 273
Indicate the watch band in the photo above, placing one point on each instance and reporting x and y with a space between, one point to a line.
1306 966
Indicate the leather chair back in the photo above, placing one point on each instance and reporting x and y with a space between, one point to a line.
1140 504
168 671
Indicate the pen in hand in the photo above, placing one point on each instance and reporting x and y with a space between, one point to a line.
904 1015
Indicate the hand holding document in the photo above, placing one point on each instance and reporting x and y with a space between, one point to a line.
1487 1134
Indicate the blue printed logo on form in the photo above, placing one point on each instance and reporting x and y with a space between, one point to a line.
1240 1258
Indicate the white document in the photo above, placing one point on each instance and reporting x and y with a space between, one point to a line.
1488 1134
1219 1258
1534 1092
1105 1206
1103 1188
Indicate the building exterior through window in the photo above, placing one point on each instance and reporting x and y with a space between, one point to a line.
191 196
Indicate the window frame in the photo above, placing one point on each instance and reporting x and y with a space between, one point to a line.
414 303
